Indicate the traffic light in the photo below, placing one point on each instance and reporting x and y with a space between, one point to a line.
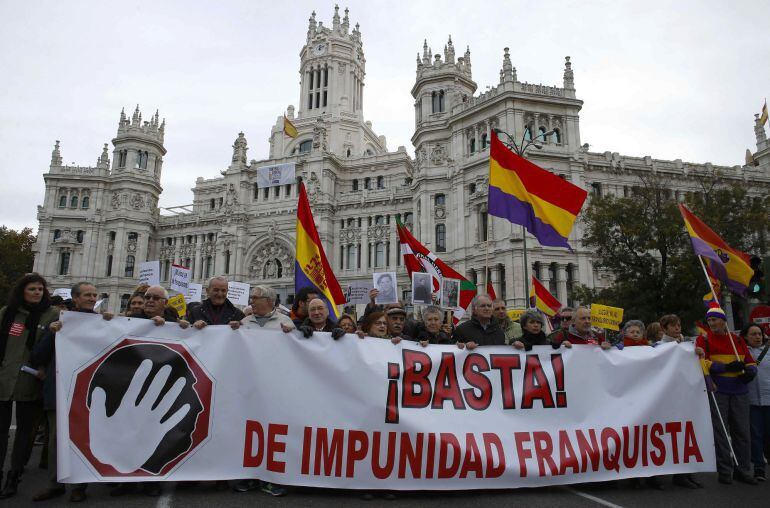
757 282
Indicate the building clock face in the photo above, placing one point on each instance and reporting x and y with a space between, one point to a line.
319 49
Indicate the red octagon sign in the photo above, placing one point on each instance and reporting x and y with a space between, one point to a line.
114 368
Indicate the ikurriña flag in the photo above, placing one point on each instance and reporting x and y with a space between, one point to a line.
312 268
542 299
725 262
523 193
417 258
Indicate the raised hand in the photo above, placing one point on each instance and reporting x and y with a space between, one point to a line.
129 437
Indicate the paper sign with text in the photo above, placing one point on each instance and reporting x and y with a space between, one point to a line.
178 303
358 292
604 316
180 278
194 292
238 292
149 273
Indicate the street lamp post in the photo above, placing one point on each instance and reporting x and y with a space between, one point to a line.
520 149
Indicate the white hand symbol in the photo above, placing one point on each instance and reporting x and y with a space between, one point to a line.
128 438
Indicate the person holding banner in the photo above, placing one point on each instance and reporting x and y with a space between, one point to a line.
579 332
532 324
216 309
672 329
299 311
84 296
511 328
135 304
375 325
347 323
23 321
759 397
482 329
731 366
155 300
396 317
431 330
633 334
264 315
318 320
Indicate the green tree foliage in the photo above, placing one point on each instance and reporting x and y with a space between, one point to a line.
16 257
641 241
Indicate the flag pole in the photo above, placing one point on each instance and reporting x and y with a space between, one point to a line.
526 267
716 299
486 260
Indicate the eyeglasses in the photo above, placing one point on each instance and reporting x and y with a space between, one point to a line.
154 297
381 323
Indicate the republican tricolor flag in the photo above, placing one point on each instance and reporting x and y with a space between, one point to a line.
417 258
726 263
519 191
312 268
542 299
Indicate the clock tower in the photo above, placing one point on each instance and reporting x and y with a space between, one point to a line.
332 69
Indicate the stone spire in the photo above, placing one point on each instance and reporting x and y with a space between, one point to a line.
162 130
759 130
336 18
345 22
569 77
449 52
103 162
425 53
508 72
136 118
56 159
311 26
467 59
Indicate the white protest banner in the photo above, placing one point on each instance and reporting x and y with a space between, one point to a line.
65 293
149 273
436 418
180 278
358 292
238 292
194 292
277 174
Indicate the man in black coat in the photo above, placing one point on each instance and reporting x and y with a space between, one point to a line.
482 329
216 309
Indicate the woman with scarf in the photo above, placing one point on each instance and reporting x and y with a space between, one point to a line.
532 331
22 323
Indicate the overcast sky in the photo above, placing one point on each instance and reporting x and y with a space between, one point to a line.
667 79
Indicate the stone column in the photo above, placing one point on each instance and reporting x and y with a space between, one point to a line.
561 280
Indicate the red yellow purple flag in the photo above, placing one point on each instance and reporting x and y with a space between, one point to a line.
725 263
312 268
542 299
526 194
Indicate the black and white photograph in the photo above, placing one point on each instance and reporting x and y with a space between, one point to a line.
387 291
422 286
450 293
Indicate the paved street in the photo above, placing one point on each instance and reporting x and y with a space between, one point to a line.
586 495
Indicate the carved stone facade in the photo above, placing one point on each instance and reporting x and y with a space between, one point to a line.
97 223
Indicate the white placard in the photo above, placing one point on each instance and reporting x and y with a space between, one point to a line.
422 288
65 293
365 414
277 174
149 273
385 282
238 292
194 292
358 292
180 278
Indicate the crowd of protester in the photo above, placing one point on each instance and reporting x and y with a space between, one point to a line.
738 377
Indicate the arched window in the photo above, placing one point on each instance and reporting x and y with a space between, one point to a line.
305 146
434 102
122 155
64 263
440 238
84 204
79 236
441 101
63 202
408 218
536 270
208 267
352 255
437 101
541 134
212 203
132 235
596 189
527 133
368 152
166 269
484 220
483 140
556 137
380 182
472 188
74 202
56 234
501 275
440 200
227 262
143 158
379 220
473 277
108 268
472 145
130 260
355 184
367 183
256 191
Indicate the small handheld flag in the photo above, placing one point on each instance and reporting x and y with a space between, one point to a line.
542 299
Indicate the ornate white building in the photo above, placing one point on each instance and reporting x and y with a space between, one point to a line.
97 223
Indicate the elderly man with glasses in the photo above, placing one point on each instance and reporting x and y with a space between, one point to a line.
216 309
265 316
155 308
